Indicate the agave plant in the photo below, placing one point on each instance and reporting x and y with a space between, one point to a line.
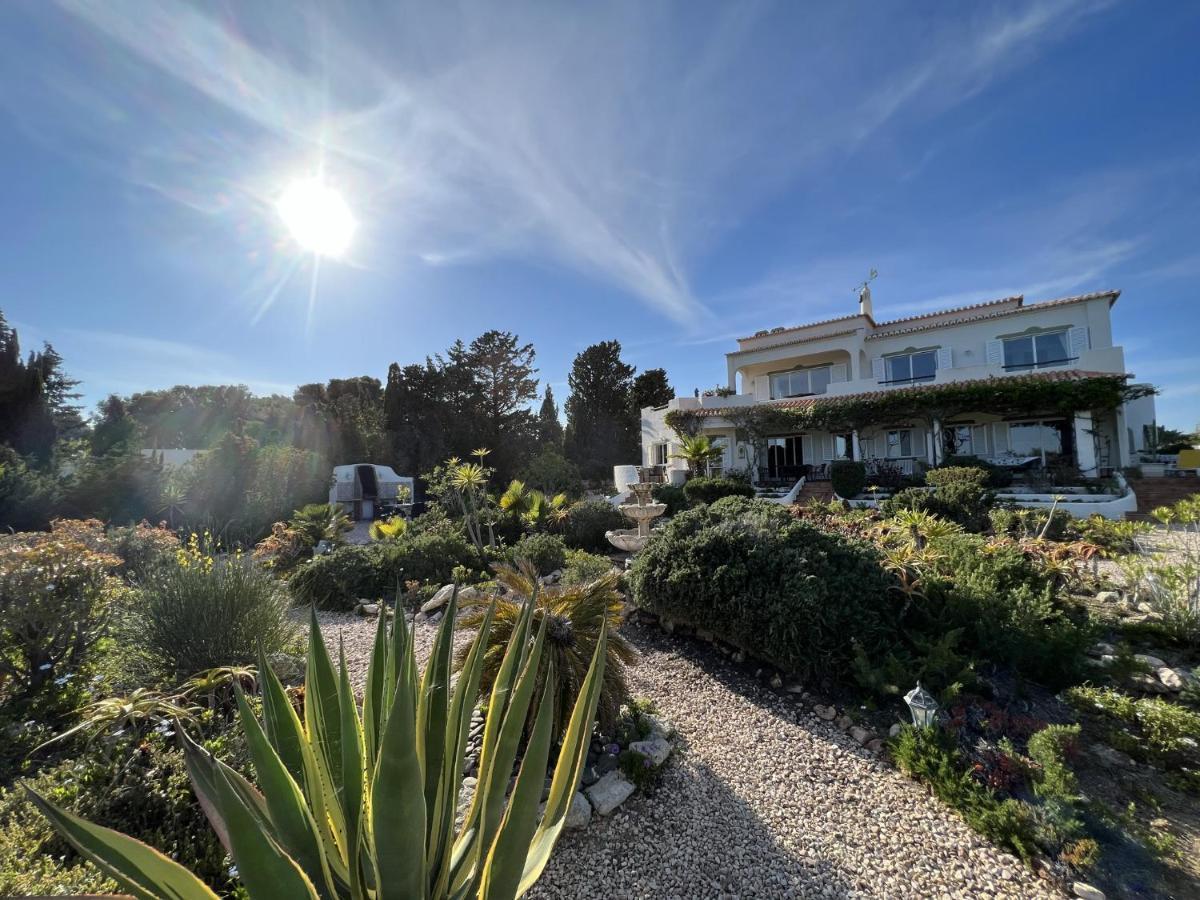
137 713
578 619
361 804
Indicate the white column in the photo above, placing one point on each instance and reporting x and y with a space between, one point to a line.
1085 445
855 448
936 438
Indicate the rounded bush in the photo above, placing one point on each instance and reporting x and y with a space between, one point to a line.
956 475
338 579
673 496
588 520
848 478
546 552
708 490
778 587
997 476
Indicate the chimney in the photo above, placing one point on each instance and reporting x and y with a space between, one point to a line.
864 302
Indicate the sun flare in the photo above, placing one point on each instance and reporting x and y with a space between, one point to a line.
317 216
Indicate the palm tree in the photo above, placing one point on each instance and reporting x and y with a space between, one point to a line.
577 614
698 451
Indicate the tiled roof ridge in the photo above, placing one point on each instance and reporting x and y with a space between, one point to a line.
1019 298
802 402
1033 307
803 340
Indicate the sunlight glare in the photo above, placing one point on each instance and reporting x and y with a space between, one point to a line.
317 217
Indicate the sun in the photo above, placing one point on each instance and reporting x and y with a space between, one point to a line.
317 216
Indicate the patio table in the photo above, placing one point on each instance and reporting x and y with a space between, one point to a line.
1013 462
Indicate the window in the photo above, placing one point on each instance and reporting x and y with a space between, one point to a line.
785 455
899 443
801 382
717 466
920 366
957 440
843 446
658 454
1034 438
1036 350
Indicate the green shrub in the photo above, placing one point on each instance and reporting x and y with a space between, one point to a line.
340 578
958 495
587 522
1018 523
848 478
54 599
772 584
430 555
956 475
29 498
1116 537
707 490
546 552
141 790
1006 607
673 496
998 477
914 499
1049 748
202 611
140 548
929 755
1163 732
583 567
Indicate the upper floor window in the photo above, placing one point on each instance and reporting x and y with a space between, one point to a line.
801 382
1035 351
908 367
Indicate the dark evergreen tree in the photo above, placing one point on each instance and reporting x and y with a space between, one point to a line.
34 397
549 428
650 389
114 427
599 431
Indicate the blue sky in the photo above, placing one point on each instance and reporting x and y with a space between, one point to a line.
672 176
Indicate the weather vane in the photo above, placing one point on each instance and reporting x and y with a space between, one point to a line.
865 287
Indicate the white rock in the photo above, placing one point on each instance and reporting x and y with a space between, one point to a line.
609 792
1148 683
580 813
658 728
368 609
1111 757
1101 648
1108 597
438 600
1170 678
776 681
1150 662
895 729
1085 891
656 748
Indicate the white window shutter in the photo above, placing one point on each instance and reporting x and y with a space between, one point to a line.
877 371
762 387
995 353
838 373
945 358
1079 340
826 447
979 440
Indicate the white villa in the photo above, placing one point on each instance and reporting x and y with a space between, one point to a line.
857 358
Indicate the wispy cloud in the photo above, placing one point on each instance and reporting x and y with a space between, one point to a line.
621 144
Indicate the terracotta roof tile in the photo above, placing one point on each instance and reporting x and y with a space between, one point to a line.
803 340
1020 298
1079 298
790 328
805 402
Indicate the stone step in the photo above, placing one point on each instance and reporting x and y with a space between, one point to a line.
1155 492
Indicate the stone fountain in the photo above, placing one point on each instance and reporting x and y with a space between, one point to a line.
643 512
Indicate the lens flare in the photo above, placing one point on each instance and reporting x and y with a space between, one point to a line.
318 217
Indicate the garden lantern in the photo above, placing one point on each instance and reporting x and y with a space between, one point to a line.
922 706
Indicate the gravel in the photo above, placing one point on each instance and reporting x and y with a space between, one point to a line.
763 799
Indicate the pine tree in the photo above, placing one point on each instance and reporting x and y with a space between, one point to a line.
600 431
549 428
650 389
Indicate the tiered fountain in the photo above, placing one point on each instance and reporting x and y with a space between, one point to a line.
643 512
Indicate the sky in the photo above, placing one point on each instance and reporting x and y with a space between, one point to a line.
669 175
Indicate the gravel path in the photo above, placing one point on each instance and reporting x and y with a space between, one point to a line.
763 800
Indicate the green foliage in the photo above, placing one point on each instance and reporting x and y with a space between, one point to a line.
318 522
361 804
956 475
673 496
1017 523
139 548
602 428
577 619
29 498
340 578
122 486
778 587
958 495
54 600
582 567
929 756
697 451
1152 729
1049 748
1115 536
587 522
545 552
141 789
552 473
203 610
997 476
1006 607
848 478
708 490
